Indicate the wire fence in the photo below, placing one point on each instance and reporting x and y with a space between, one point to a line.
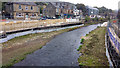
113 35
114 43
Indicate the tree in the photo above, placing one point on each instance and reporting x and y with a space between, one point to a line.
0 5
3 5
82 7
41 9
87 18
110 10
104 10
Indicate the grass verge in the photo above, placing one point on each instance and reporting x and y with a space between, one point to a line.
93 49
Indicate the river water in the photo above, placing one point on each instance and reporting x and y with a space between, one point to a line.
60 51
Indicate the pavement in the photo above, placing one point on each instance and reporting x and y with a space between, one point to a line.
60 51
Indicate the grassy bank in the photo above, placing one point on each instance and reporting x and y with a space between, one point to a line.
93 49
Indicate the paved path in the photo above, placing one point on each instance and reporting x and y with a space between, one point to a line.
61 51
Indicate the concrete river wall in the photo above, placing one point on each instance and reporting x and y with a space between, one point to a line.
9 26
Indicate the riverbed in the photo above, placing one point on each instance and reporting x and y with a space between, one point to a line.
60 51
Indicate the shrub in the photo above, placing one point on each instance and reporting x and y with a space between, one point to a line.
87 18
79 48
82 40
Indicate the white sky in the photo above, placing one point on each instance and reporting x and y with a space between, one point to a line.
111 4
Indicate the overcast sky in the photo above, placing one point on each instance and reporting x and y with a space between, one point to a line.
111 4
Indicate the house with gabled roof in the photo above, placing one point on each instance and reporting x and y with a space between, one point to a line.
58 9
21 10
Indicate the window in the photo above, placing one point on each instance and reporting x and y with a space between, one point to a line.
60 4
64 3
56 4
57 10
33 15
31 7
37 9
26 7
20 7
19 14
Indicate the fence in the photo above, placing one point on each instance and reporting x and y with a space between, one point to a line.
114 38
113 45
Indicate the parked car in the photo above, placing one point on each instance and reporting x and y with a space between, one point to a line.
42 18
3 34
49 17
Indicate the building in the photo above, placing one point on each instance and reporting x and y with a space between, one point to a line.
65 9
0 10
21 10
59 9
92 12
113 15
76 11
49 10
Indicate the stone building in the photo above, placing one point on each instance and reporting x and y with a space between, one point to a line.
59 9
21 10
49 10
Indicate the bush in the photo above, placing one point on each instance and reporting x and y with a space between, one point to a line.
82 40
79 48
87 18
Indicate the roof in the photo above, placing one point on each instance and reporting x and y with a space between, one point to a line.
61 6
50 4
24 3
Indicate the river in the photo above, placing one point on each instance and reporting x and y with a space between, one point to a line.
60 51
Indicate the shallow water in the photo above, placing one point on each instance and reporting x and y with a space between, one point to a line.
60 51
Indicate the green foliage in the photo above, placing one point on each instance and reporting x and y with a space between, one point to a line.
101 19
7 66
40 47
95 19
82 7
87 19
102 9
41 9
79 48
0 5
82 40
93 49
